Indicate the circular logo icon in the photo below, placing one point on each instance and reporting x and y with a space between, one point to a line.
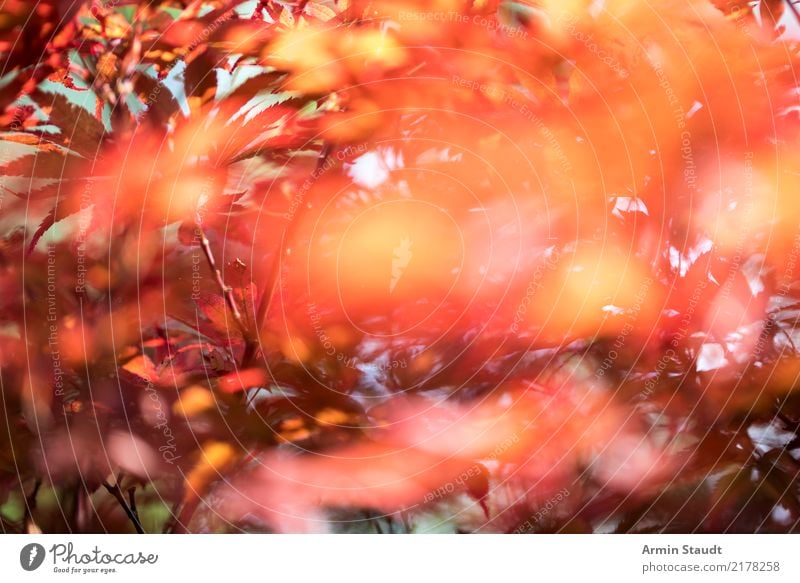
31 556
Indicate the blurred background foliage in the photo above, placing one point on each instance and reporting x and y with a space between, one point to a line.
399 266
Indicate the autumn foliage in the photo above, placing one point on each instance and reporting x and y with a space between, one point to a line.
399 266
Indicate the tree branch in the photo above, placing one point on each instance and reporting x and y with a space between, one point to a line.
116 492
793 8
227 293
132 502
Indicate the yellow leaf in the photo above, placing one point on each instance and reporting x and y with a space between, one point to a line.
215 458
330 416
287 18
320 12
193 401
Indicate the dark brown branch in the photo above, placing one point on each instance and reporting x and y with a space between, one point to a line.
116 492
132 502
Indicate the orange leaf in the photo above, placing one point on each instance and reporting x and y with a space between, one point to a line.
241 380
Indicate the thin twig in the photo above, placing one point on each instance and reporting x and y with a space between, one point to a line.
226 290
794 10
116 492
132 502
